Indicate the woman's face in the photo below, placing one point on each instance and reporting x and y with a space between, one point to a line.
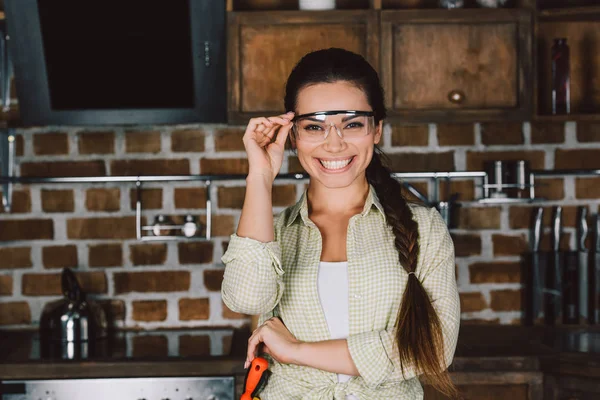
335 162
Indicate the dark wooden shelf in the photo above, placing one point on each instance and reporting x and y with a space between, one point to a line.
586 12
566 117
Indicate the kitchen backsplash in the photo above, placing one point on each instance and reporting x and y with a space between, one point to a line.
91 227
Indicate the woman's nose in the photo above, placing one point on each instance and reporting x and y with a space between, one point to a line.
334 140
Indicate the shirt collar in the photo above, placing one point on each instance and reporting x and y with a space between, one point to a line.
301 207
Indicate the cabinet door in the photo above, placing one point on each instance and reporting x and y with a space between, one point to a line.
263 47
497 385
457 65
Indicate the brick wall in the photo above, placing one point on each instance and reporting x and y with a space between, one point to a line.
91 227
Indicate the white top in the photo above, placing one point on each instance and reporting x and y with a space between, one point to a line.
332 285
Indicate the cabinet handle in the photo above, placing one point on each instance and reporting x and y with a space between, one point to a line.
456 96
207 54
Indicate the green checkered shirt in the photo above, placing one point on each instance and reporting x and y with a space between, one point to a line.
280 279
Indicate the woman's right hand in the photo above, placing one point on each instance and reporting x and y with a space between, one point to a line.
265 155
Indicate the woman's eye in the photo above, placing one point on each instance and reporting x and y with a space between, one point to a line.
313 128
354 125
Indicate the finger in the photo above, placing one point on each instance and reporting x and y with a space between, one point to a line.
266 350
253 343
283 134
255 122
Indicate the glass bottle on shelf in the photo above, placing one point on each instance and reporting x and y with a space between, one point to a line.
561 80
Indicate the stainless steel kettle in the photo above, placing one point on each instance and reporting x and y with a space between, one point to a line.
72 320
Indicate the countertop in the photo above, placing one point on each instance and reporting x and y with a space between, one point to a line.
201 352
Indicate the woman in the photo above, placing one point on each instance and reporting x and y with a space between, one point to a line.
356 288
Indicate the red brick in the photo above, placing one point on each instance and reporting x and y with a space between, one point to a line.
188 140
577 159
15 313
422 162
456 134
495 272
151 198
63 168
223 166
213 278
105 255
476 159
50 144
466 245
60 256
472 302
464 188
115 309
195 252
20 202
150 346
194 309
588 131
58 200
15 257
227 341
96 142
497 133
101 228
479 218
148 254
19 146
506 300
233 197
26 229
142 142
547 132
50 284
151 281
550 188
222 225
587 188
228 314
410 135
6 285
190 198
509 245
103 199
520 217
150 167
194 345
229 139
149 310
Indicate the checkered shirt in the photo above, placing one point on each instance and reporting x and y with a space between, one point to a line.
280 279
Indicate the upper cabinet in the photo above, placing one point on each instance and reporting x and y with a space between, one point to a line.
263 47
435 64
458 65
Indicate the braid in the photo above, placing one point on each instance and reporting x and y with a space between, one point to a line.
419 331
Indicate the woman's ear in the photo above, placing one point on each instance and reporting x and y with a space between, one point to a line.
378 132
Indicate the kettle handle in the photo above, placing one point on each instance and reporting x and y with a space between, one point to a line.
70 286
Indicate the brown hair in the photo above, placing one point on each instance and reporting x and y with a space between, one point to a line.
419 335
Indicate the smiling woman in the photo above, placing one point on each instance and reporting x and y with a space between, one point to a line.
355 287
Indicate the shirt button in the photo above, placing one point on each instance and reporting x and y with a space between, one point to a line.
358 296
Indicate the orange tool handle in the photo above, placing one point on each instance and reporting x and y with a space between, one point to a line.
253 377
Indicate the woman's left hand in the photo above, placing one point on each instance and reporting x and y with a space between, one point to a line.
278 342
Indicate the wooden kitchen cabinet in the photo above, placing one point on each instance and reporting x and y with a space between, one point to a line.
263 47
497 385
457 65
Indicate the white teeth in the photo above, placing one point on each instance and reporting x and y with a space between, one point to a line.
338 164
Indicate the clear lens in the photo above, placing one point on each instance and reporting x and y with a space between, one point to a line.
316 128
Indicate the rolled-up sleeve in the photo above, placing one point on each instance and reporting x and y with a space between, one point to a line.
375 353
252 283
